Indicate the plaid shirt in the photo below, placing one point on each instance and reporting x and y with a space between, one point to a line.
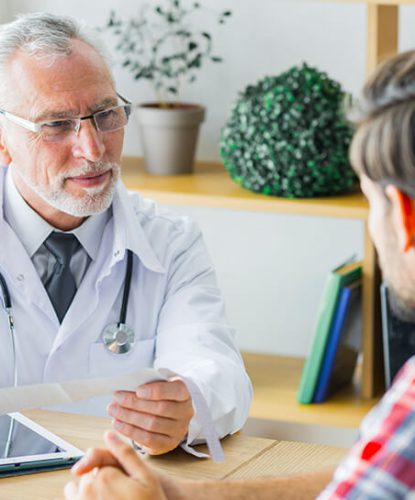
381 464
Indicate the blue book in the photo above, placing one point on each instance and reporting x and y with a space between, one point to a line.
343 345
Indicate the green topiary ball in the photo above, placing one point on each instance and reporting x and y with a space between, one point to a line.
287 136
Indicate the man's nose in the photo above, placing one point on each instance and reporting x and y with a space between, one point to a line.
88 142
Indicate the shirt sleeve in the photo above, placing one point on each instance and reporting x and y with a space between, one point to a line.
194 338
381 465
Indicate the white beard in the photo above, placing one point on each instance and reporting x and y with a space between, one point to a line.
95 200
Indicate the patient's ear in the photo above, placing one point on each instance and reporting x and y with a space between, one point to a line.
404 217
5 158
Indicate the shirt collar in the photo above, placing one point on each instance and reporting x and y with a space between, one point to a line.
32 229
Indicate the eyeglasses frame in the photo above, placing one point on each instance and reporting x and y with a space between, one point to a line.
37 127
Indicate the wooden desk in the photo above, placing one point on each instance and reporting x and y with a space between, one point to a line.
246 457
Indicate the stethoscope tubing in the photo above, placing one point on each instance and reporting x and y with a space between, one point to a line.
127 287
5 293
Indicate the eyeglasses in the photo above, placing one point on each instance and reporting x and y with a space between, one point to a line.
59 131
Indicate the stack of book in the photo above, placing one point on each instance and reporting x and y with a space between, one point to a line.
337 336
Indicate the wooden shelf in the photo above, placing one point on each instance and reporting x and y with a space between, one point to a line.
374 2
276 380
211 186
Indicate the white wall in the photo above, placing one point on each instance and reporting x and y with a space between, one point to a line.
271 267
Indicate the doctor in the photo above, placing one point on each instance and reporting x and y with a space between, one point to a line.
67 228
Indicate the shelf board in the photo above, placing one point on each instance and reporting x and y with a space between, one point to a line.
276 380
374 2
211 186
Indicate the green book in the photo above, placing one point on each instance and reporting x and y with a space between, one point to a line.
341 276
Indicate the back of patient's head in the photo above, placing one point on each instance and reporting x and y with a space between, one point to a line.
383 147
45 37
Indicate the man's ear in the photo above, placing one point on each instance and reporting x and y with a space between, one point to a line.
5 158
404 216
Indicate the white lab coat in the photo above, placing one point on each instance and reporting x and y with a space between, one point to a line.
175 310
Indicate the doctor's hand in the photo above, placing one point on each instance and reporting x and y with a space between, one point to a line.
156 416
116 473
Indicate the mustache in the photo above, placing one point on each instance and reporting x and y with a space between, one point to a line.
90 167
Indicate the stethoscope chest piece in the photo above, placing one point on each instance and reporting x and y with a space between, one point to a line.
118 338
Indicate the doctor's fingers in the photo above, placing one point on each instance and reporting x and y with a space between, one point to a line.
163 408
153 442
172 390
152 423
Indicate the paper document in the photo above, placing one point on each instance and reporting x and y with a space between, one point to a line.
38 395
23 397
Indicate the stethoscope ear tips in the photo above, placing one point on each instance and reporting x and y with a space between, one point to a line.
118 338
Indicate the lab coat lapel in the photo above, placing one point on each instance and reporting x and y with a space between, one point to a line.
126 209
20 273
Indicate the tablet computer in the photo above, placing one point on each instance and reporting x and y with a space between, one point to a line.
27 447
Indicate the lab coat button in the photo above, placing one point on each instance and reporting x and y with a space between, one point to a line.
116 253
20 277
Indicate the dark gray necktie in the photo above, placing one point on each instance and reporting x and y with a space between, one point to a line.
61 286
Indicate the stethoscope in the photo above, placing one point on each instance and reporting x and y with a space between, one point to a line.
118 337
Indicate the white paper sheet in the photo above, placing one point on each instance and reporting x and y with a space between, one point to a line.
23 397
39 395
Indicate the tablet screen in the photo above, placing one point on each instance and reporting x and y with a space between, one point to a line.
27 447
18 440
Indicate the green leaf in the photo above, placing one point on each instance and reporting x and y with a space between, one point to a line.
196 62
206 35
216 59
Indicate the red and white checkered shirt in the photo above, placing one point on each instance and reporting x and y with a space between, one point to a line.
381 464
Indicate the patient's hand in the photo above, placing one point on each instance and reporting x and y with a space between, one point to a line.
114 474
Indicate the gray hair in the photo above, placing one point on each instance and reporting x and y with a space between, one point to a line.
383 147
44 36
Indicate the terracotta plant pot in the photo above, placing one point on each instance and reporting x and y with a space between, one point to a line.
169 136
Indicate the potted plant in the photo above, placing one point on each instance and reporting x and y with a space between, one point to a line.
161 45
287 136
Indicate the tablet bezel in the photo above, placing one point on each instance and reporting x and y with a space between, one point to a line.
56 460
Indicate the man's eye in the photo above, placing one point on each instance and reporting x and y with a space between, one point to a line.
59 125
107 113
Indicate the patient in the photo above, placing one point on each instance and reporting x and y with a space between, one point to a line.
381 465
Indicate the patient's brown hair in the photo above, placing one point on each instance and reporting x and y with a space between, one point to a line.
383 147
